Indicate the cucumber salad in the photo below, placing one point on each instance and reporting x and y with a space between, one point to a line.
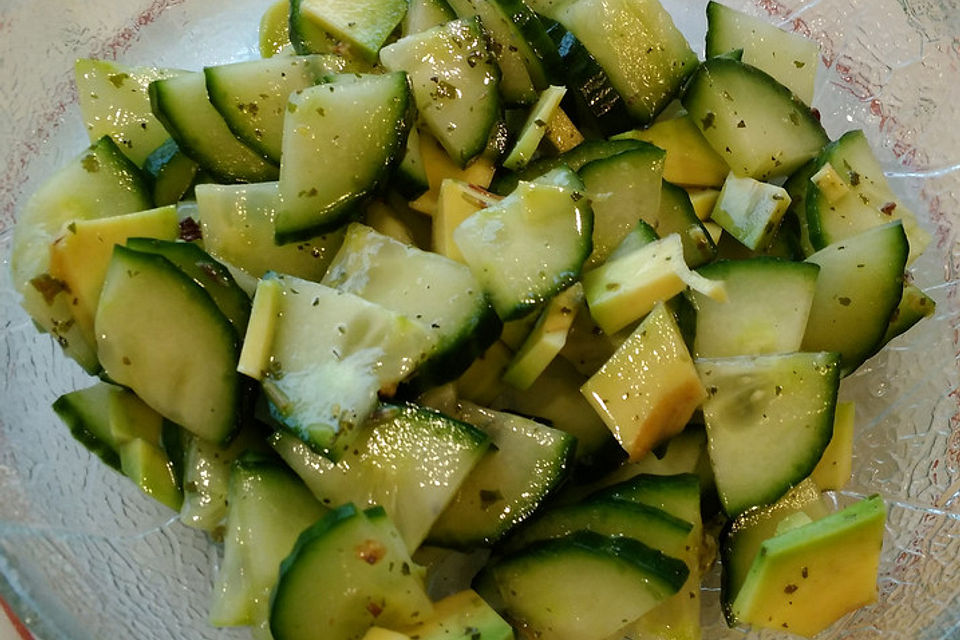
482 319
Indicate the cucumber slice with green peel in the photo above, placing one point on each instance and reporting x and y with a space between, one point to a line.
586 585
554 399
677 495
131 419
796 186
238 228
252 96
805 579
454 81
411 178
340 140
768 303
788 57
525 53
206 272
677 215
307 37
575 159
742 537
754 123
859 287
651 526
269 508
868 201
776 410
172 173
149 467
635 41
526 462
623 189
79 256
534 128
115 102
86 413
181 105
423 15
364 24
440 295
750 210
275 29
100 182
458 201
461 616
690 160
914 306
369 577
647 392
530 245
206 477
409 459
322 355
187 371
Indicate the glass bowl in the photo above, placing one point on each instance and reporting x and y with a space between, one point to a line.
83 555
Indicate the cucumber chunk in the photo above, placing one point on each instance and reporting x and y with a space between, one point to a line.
776 410
368 577
423 15
858 289
752 121
526 462
440 295
238 227
171 171
408 459
530 245
788 57
115 102
750 210
586 585
187 370
534 128
275 29
364 24
678 215
867 202
635 41
461 616
914 306
454 81
86 413
269 508
323 354
252 96
768 303
340 140
98 183
181 105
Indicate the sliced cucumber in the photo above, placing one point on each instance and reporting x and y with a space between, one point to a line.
206 272
534 128
408 459
454 81
623 189
440 295
530 245
115 102
411 178
750 210
275 29
527 461
340 140
100 182
677 495
858 289
461 616
423 15
368 577
585 586
149 467
364 24
86 414
635 41
914 306
181 105
172 173
752 121
323 354
187 370
238 92
776 410
677 215
269 508
768 303
867 200
788 57
458 201
238 227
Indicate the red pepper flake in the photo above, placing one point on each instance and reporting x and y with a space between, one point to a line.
815 113
371 551
888 208
374 609
190 230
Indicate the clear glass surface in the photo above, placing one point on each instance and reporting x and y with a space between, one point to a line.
83 555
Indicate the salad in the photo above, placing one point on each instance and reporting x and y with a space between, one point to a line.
462 276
